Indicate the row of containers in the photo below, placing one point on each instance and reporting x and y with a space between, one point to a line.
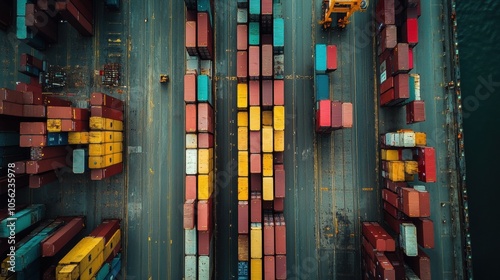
50 249
260 101
199 196
330 114
408 165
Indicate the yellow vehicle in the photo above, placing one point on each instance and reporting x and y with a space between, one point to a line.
343 9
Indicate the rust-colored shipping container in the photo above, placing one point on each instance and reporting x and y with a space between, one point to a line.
388 38
44 165
254 62
191 187
425 232
242 65
269 268
424 203
410 202
254 93
205 140
32 94
268 235
101 99
205 118
279 183
105 112
421 265
347 115
279 204
400 58
243 215
387 84
204 240
279 234
280 267
384 268
205 36
204 215
12 96
61 237
42 179
72 125
51 100
33 128
256 207
256 182
415 112
378 237
331 58
11 109
61 112
387 98
190 88
336 114
397 263
401 87
100 174
190 39
255 163
267 93
385 14
71 14
242 37
279 93
191 118
392 222
391 210
267 61
189 216
255 146
243 248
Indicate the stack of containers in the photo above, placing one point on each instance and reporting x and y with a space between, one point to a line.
78 13
397 37
200 148
330 115
376 243
261 143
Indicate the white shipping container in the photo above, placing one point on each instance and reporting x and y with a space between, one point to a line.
407 139
242 16
397 140
420 188
191 161
417 86
190 242
408 239
191 141
190 268
205 267
390 139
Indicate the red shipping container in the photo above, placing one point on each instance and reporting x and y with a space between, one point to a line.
280 268
421 265
190 40
102 173
267 93
388 38
279 204
279 93
387 98
256 208
205 140
61 112
11 109
255 163
242 37
415 111
40 180
323 116
375 236
19 167
280 235
392 222
390 197
33 128
269 271
243 217
391 210
254 93
385 12
242 65
205 118
268 235
34 93
204 215
397 263
190 88
255 146
254 62
410 32
50 100
256 182
191 187
411 204
347 115
368 248
384 269
424 204
101 99
189 214
10 95
331 58
34 111
105 112
205 36
44 165
427 164
71 125
267 9
267 61
394 186
279 183
390 243
400 58
204 240
62 236
106 229
336 114
27 59
191 118
425 232
401 87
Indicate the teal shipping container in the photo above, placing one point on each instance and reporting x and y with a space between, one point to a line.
116 266
57 138
80 159
205 266
190 244
243 269
278 35
408 239
254 34
242 16
322 87
103 272
254 10
24 219
190 267
277 9
320 58
204 89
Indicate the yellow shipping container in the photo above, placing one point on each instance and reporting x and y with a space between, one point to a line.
68 272
411 167
96 162
100 149
396 171
242 188
117 157
205 160
267 118
256 243
112 243
254 118
243 119
279 140
205 186
242 138
256 269
267 164
99 137
420 139
78 137
242 99
114 125
117 136
100 123
279 117
93 268
267 139
54 125
267 188
83 253
389 155
243 163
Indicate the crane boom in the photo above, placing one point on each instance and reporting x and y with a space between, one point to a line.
344 10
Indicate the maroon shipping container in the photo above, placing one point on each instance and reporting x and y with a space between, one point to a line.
32 94
204 240
401 89
204 215
368 248
400 58
267 93
243 248
50 100
44 165
394 186
190 39
189 218
255 146
392 222
385 14
278 157
11 109
331 58
34 111
256 182
323 116
397 263
205 140
279 204
40 180
387 84
28 59
391 210
205 118
71 125
378 237
267 61
269 268
191 118
105 112
106 229
410 202
410 32
280 234
243 217
242 65
420 264
33 128
347 115
242 37
336 114
62 236
425 232
45 26
388 38
415 112
268 235
280 267
102 173
190 88
254 62
279 93
19 167
191 189
424 204
384 269
101 99
61 112
255 163
12 96
256 207
254 93
71 14
427 164
388 98
279 183
205 36
38 153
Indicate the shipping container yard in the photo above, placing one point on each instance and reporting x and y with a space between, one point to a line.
217 139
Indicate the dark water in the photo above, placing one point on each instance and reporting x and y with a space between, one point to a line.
479 36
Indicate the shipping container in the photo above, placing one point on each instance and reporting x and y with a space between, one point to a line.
255 143
401 87
426 164
190 88
243 217
33 128
79 161
242 65
347 115
385 13
279 140
242 119
269 268
253 34
281 267
99 174
32 111
255 164
421 265
267 188
205 160
268 235
190 267
279 67
254 118
415 112
191 46
408 239
256 207
242 37
205 267
254 10
400 58
205 118
267 164
267 139
205 36
254 93
409 32
388 38
101 99
280 234
331 58
254 62
205 243
243 187
322 87
242 96
384 268
243 163
267 93
105 112
191 141
279 117
425 232
191 118
204 89
267 61
191 187
336 114
191 161
256 241
242 15
205 185
267 118
11 109
243 138
242 270
320 59
323 116
256 271
256 182
279 93
204 217
278 35
70 13
190 243
243 248
386 85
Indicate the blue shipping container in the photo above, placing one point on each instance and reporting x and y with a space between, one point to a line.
204 89
103 272
116 266
254 34
322 87
190 267
320 58
25 218
191 247
279 35
242 268
57 138
254 9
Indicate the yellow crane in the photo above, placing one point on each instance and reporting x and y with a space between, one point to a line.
343 8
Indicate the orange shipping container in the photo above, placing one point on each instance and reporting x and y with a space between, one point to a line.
346 115
279 140
242 96
191 120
